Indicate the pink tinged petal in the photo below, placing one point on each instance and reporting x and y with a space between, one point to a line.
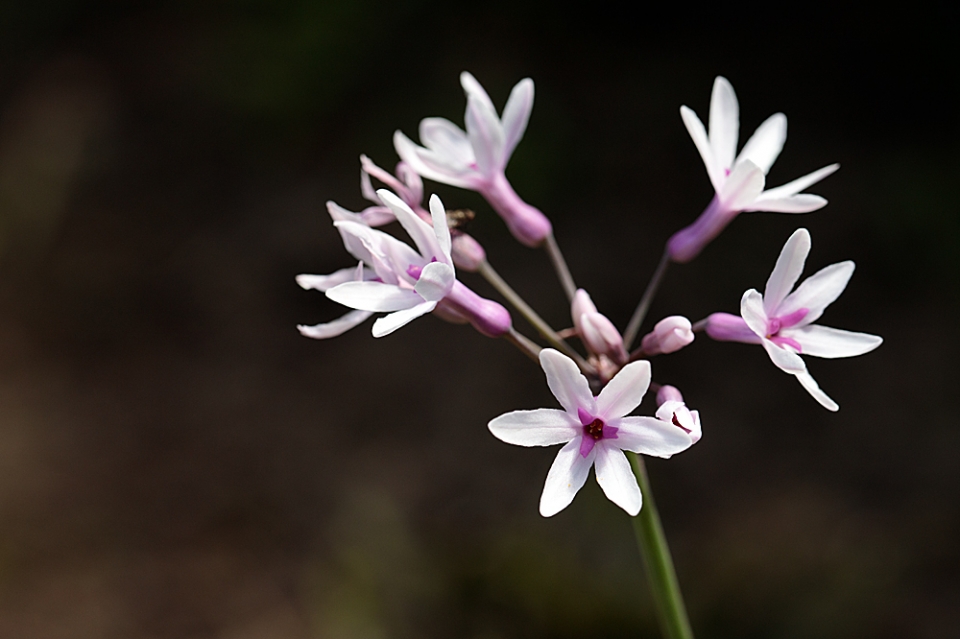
541 427
617 479
803 203
374 296
667 409
807 381
751 309
624 392
486 137
765 144
368 169
819 291
336 327
831 343
441 230
433 165
566 382
340 214
447 140
602 337
651 436
702 142
435 281
389 323
580 305
724 123
377 215
567 475
743 186
412 181
784 358
668 393
794 187
696 433
420 232
384 253
668 336
475 90
516 114
787 271
324 282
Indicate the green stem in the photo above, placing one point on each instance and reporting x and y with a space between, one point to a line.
633 327
657 560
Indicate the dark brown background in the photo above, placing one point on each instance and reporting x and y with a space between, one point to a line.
176 461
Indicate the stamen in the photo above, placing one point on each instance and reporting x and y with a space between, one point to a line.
594 429
676 422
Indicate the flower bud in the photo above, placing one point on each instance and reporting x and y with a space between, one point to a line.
725 327
598 333
487 316
669 335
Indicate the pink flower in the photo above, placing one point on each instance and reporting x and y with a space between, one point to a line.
674 411
596 431
668 336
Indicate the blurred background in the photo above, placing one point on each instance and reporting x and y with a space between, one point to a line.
176 461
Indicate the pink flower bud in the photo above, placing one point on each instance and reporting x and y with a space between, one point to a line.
668 394
526 223
669 335
466 252
488 317
598 333
725 327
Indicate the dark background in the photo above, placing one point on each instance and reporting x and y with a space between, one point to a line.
176 461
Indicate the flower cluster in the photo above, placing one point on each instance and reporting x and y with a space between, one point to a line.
603 383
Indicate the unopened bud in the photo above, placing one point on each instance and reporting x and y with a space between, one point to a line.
669 335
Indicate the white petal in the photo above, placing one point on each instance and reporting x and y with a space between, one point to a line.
438 214
421 232
784 358
389 323
751 310
617 479
340 214
431 165
819 291
516 114
435 281
541 427
566 382
387 255
794 187
336 327
765 144
787 271
651 436
474 90
567 475
807 381
724 123
625 391
802 203
374 296
742 186
702 142
823 341
447 140
486 136
324 282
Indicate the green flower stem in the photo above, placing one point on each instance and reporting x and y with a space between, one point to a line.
657 560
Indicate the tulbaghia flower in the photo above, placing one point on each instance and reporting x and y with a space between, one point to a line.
784 321
596 431
476 159
674 411
739 180
668 336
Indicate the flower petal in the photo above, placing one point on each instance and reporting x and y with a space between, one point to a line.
541 427
785 359
338 326
617 479
567 475
802 203
823 341
486 136
435 281
433 165
765 144
566 382
742 186
787 271
418 230
651 436
794 187
447 140
438 216
702 142
389 323
324 282
818 291
724 123
475 90
751 310
806 380
374 296
624 392
516 114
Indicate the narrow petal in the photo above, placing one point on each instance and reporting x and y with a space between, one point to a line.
806 380
475 90
374 296
765 144
541 427
751 310
794 187
787 271
516 114
340 214
336 327
785 359
702 142
724 123
441 230
446 139
567 475
819 291
742 187
419 231
802 203
486 136
650 436
625 391
617 480
324 282
431 165
389 323
831 343
435 281
566 382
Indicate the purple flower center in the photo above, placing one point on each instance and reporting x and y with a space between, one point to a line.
594 429
776 324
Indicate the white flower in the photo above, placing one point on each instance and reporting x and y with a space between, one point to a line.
596 431
739 180
784 321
